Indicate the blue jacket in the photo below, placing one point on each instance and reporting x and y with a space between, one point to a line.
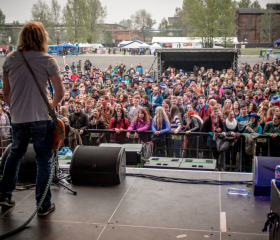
165 129
158 101
259 129
139 69
242 121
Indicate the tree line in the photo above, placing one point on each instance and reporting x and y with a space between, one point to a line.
83 21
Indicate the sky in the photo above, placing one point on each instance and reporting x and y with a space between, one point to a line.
116 10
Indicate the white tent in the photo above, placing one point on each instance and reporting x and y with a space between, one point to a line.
155 46
145 45
135 44
124 43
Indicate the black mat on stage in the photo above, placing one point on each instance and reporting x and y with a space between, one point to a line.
145 209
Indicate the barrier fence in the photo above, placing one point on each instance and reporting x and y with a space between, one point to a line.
202 145
194 145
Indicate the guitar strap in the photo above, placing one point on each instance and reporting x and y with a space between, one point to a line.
51 111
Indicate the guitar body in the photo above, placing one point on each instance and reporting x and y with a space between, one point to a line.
57 138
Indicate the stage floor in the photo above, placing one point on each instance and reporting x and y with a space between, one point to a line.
140 209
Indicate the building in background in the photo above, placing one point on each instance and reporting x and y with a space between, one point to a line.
248 21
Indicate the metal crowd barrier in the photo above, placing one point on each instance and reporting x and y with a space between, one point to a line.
200 148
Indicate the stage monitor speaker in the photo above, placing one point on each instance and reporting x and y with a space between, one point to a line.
98 165
163 162
133 151
198 164
263 173
28 167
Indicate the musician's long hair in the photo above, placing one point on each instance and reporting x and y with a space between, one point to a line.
33 36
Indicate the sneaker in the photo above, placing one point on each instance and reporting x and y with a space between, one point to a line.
43 211
7 202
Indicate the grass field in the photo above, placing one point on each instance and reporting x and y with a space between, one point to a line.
255 51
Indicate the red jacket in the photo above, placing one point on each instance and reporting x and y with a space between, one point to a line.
204 112
116 124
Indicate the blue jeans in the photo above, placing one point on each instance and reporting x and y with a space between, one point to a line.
42 134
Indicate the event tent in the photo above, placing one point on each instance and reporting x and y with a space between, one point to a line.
65 45
276 43
155 46
134 44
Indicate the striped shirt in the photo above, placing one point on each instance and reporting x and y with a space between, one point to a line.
175 123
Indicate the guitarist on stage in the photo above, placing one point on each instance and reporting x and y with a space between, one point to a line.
29 113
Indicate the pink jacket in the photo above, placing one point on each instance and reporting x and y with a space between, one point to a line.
140 127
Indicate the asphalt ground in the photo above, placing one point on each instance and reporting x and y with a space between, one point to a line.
104 61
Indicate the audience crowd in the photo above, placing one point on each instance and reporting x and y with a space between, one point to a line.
222 103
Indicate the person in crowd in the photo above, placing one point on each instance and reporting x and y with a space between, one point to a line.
259 98
105 109
134 110
227 106
119 123
74 92
146 103
203 109
72 136
130 102
112 98
262 113
253 126
243 118
175 125
271 112
236 108
252 108
96 121
122 99
192 123
140 123
64 112
214 95
272 129
79 121
156 99
160 126
231 126
71 108
88 110
212 124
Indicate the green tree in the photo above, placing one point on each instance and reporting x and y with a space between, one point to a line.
202 16
268 26
226 21
75 20
40 12
2 18
55 30
96 15
256 4
142 20
126 23
248 4
163 26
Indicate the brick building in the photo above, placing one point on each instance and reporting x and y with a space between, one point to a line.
247 24
120 33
